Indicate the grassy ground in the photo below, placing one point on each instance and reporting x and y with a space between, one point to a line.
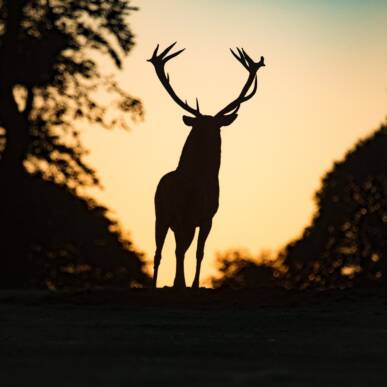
207 338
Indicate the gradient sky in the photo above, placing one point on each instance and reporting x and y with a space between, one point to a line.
324 87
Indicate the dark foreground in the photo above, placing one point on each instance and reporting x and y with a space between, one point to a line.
203 338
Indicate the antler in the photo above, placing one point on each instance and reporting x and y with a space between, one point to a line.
252 67
159 61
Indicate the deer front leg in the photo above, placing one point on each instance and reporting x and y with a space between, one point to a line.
203 234
183 239
161 232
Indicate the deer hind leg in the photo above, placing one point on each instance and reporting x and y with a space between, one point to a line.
161 232
203 234
183 239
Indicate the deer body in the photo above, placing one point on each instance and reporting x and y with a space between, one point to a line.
188 197
191 192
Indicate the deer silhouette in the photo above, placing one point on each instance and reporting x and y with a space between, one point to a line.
188 197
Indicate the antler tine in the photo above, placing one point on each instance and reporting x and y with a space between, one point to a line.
261 62
162 58
235 55
247 58
238 58
154 55
167 58
197 105
169 48
240 52
242 59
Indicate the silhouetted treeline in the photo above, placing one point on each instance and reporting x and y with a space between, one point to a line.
58 240
238 269
346 243
50 85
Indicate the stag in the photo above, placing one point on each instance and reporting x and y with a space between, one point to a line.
188 197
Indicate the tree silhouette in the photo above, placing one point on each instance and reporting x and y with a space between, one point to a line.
51 83
345 244
49 51
347 240
52 238
237 269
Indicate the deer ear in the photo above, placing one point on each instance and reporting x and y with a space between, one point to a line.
189 121
228 119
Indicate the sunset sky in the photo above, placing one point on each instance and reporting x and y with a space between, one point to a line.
324 87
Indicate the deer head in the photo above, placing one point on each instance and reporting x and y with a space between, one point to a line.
228 114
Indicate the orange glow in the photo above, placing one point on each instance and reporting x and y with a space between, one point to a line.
323 88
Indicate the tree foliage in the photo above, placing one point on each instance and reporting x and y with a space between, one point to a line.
347 240
53 80
60 241
346 243
237 269
55 65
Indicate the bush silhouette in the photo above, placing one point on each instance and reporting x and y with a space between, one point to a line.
237 269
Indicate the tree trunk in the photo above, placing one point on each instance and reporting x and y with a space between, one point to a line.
13 230
12 120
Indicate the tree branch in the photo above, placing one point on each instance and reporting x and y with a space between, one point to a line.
29 102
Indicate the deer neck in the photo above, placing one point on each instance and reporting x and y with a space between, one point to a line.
201 156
